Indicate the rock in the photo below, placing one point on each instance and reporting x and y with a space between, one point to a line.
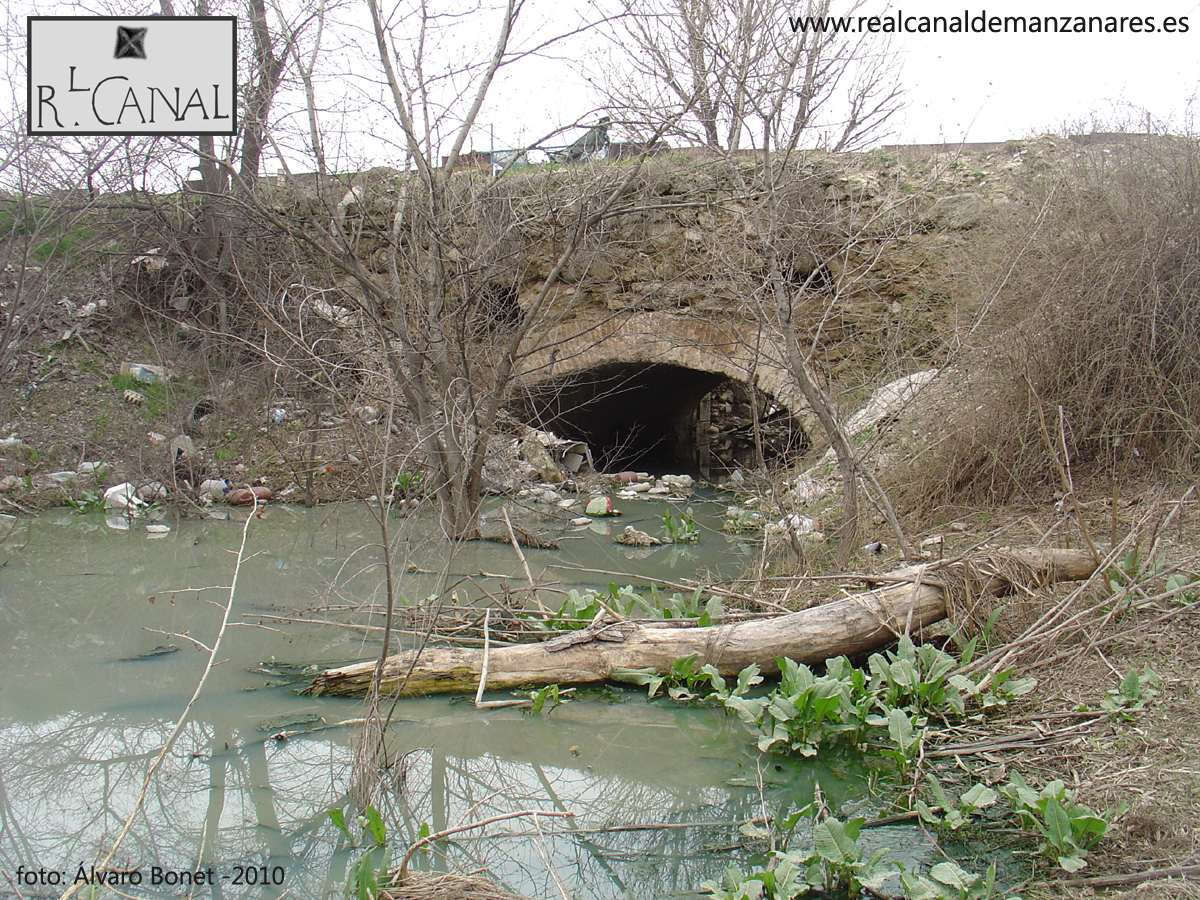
809 490
679 482
631 537
887 401
958 212
533 452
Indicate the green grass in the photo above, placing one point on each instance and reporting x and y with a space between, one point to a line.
163 398
100 431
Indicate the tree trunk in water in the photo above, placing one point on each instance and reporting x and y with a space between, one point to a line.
844 627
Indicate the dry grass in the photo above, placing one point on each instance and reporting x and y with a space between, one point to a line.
1080 641
1086 355
447 887
1151 764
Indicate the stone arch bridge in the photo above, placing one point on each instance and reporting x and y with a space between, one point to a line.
661 389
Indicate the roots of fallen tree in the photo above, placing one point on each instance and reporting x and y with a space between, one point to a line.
914 598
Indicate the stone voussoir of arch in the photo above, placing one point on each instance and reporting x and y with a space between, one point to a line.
727 347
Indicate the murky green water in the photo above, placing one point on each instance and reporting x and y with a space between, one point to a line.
81 718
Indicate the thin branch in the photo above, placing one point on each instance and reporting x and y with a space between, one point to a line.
102 866
442 835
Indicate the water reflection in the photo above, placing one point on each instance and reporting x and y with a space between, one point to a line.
79 726
225 797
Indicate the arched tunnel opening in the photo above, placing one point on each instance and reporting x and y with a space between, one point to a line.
662 418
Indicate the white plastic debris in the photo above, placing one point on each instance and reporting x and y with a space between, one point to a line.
152 491
144 372
214 486
123 496
795 522
809 490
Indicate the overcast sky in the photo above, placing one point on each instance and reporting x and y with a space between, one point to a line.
995 86
976 87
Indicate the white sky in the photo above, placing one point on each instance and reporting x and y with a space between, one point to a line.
995 87
977 87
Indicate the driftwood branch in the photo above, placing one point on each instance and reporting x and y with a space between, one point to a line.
915 598
1189 872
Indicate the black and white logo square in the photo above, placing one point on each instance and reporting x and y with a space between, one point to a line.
168 75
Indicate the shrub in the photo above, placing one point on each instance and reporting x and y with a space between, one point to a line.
1089 339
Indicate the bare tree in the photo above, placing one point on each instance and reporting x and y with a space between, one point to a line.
751 78
48 192
433 261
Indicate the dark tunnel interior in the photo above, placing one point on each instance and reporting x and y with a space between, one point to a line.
648 416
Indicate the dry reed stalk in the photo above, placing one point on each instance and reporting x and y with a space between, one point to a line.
1080 627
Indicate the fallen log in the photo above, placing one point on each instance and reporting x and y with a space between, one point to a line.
915 597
